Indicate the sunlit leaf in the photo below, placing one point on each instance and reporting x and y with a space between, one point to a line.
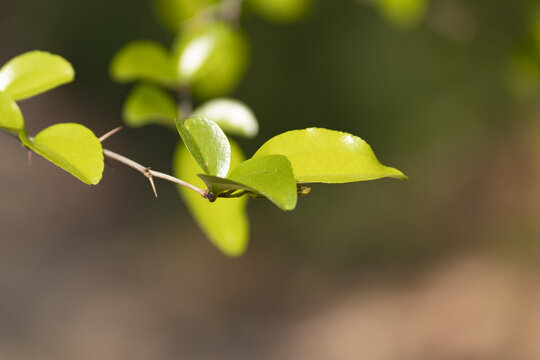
328 156
10 115
208 145
233 116
224 221
34 72
268 176
72 147
403 13
143 60
149 104
212 58
272 176
172 12
280 10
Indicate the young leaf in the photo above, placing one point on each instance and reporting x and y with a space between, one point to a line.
34 72
212 58
11 118
208 145
218 185
272 176
233 116
171 13
403 13
143 60
224 221
280 10
328 156
72 147
149 104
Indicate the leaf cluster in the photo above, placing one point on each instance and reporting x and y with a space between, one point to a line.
207 59
70 146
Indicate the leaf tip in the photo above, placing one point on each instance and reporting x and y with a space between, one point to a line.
233 252
396 174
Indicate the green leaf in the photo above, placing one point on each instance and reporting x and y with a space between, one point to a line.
280 10
149 104
328 156
208 145
218 185
233 116
211 58
269 176
224 221
11 118
172 13
143 60
72 147
272 176
34 72
403 13
522 75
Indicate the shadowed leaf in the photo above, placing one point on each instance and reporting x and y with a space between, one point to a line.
224 221
143 60
149 104
212 59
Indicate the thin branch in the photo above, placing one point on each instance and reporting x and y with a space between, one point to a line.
206 14
185 107
150 174
231 11
228 10
110 133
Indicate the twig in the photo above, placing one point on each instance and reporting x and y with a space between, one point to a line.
231 10
109 134
150 174
185 106
206 14
228 10
146 171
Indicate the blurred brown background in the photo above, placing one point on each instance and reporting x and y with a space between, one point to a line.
444 266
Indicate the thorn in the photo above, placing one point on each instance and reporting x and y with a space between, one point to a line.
110 133
151 179
29 157
153 185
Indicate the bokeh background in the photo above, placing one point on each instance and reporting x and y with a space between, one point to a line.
444 266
